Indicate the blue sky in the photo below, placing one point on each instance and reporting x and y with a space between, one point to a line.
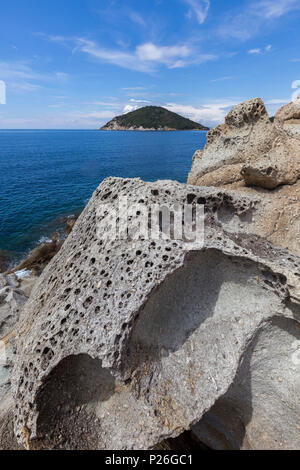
75 64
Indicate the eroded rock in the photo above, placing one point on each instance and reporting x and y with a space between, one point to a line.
288 118
248 146
125 343
12 299
268 158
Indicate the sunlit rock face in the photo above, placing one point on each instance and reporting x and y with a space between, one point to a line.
126 342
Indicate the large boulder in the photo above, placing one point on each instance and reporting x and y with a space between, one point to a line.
248 146
13 296
247 131
265 164
254 411
279 167
128 341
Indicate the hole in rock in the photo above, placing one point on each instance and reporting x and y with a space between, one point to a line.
66 402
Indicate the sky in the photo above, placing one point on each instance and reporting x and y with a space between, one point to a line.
78 63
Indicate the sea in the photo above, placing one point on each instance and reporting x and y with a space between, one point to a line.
49 175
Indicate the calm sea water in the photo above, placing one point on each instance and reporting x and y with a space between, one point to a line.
46 175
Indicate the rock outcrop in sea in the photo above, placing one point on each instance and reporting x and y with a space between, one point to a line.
128 341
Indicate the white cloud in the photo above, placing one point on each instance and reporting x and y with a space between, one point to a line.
130 107
134 104
137 18
122 59
274 8
255 51
146 57
210 114
259 50
278 101
199 8
133 100
134 88
244 22
222 79
20 76
162 54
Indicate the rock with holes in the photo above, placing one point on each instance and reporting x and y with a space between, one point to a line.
279 167
249 146
288 118
12 300
129 339
255 157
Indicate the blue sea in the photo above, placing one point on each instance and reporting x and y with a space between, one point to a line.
46 176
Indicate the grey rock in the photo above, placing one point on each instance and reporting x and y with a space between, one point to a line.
12 300
280 166
127 342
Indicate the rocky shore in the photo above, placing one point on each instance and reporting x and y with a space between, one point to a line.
132 343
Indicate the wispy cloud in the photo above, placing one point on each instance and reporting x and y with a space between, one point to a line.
21 77
210 113
245 22
134 88
222 79
146 57
274 8
135 104
199 9
254 51
259 50
278 101
137 18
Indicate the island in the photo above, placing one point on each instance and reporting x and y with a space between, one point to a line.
152 118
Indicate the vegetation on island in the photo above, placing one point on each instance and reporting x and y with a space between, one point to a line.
152 117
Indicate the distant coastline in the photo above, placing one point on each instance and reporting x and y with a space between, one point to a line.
142 129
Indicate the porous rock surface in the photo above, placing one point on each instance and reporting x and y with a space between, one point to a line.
125 343
288 118
253 156
248 146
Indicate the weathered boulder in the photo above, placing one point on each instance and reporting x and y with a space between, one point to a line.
247 131
255 412
288 118
128 341
13 296
268 158
280 166
249 146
